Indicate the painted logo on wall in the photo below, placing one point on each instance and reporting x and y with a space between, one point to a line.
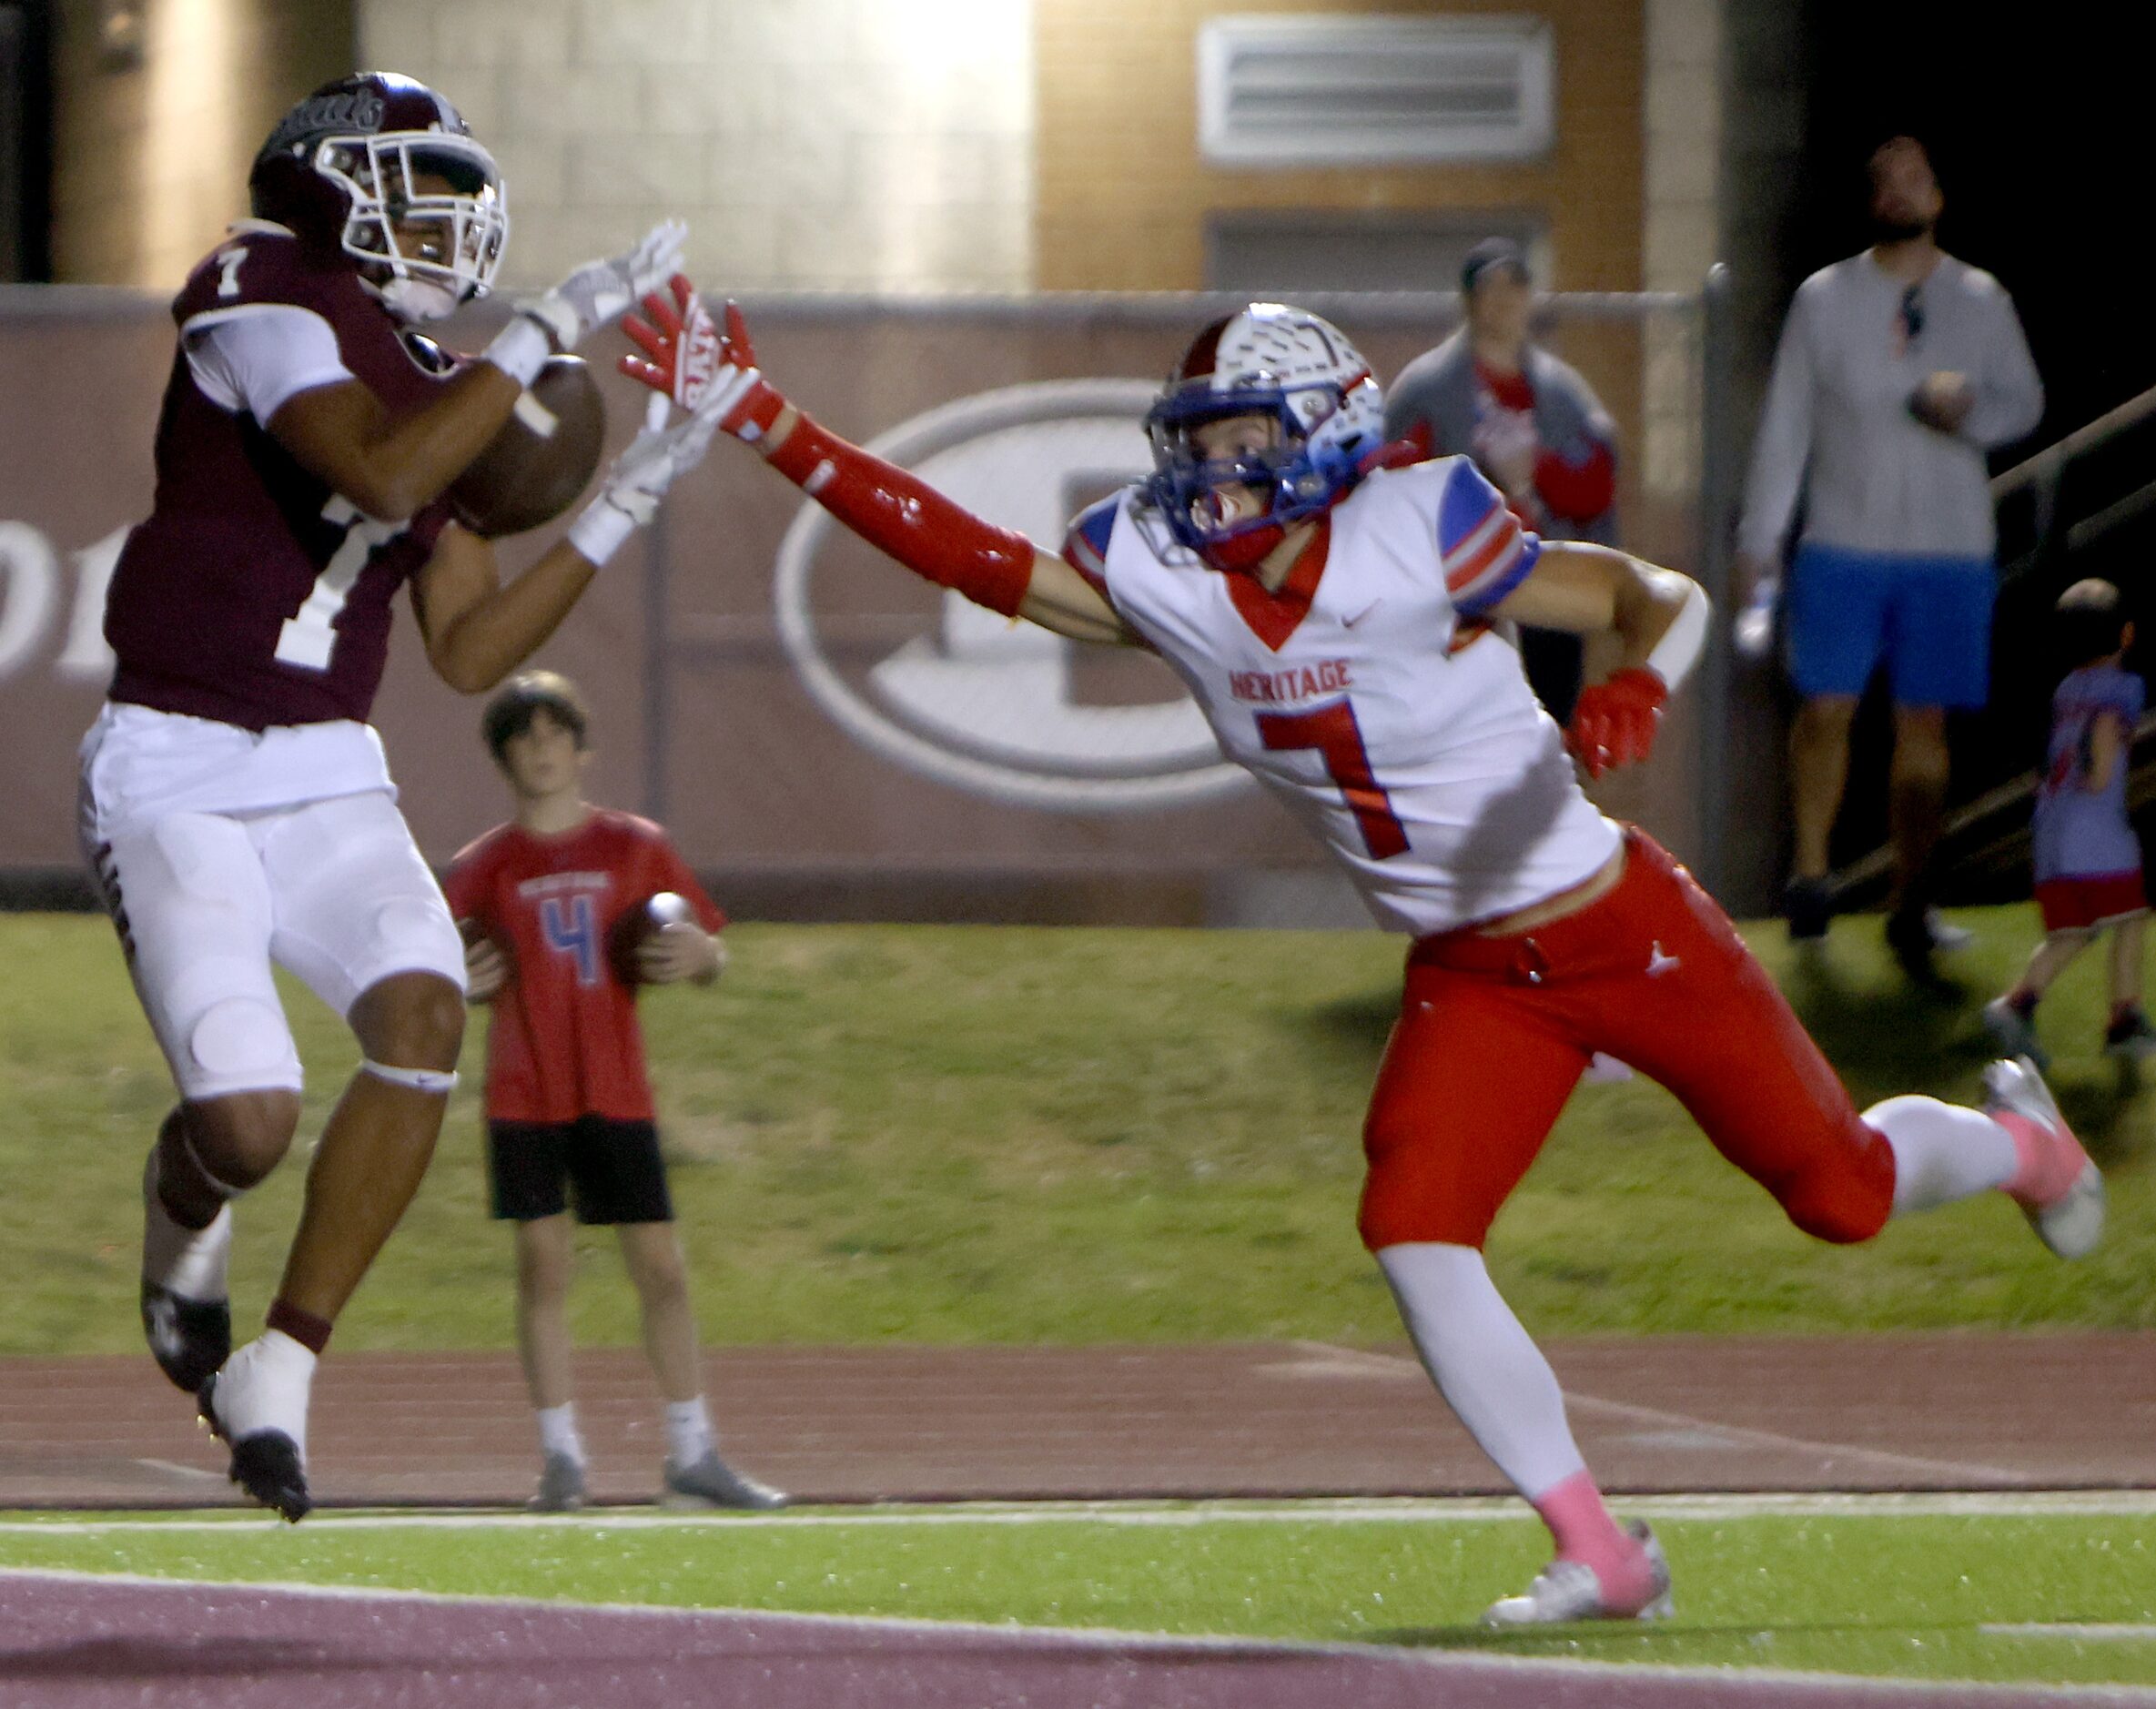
996 708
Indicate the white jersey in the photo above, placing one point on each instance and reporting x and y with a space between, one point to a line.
1363 696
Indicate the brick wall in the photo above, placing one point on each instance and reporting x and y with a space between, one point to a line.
150 157
813 143
1124 194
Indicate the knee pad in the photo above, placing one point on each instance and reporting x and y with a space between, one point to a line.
237 1036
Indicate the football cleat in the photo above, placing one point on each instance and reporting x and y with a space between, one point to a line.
1569 1590
188 1326
711 1482
2065 1200
258 1405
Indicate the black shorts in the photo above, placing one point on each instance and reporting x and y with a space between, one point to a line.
613 1168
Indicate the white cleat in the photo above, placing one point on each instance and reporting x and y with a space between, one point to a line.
1568 1589
2066 1204
258 1405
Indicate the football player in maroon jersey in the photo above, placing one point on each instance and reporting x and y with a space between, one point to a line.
544 899
235 805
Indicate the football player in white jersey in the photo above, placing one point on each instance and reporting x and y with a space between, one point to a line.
1329 614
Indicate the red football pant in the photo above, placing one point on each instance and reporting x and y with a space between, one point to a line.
1494 1032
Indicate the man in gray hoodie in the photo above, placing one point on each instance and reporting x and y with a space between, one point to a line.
1898 369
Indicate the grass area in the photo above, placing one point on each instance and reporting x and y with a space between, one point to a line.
1902 1594
965 1133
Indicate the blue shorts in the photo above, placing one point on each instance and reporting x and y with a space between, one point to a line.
1929 618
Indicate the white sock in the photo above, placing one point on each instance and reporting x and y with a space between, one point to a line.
558 1433
189 1262
1942 1152
1491 1374
688 1431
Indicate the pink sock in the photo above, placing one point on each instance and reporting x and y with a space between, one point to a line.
1578 1519
2043 1168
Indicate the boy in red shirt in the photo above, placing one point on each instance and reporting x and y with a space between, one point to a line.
568 1102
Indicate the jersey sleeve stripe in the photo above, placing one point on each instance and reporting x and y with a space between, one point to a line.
1486 543
1490 588
1085 546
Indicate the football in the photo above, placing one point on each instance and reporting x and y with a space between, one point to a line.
542 459
637 926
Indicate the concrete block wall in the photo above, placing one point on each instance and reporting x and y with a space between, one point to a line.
847 144
1682 237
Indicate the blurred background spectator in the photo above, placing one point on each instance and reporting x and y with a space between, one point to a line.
1898 370
1531 423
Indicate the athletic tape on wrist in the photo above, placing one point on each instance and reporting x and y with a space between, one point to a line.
1678 650
602 531
417 1080
520 349
902 515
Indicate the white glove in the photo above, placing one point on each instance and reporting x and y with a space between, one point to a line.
629 499
600 292
1754 630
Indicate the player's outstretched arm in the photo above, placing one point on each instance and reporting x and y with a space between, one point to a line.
477 629
1658 616
895 512
391 466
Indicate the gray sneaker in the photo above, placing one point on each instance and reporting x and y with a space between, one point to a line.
561 1486
1568 1589
711 1482
2065 1205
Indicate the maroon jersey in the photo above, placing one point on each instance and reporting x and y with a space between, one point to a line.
564 1042
255 595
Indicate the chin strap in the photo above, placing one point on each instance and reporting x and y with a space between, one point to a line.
905 517
417 1080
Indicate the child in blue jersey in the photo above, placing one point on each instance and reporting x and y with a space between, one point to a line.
2088 859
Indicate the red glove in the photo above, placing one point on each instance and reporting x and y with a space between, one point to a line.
1614 723
698 368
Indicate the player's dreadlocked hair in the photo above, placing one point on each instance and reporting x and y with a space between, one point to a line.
509 715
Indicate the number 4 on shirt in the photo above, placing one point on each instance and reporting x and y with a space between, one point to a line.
571 928
1334 734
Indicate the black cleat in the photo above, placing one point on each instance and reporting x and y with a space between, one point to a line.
267 1465
1910 938
189 1339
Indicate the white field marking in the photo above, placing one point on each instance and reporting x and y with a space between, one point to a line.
2068 1629
172 1468
1734 1681
1323 1359
1406 1509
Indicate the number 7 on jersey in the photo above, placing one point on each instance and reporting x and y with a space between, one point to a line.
1332 731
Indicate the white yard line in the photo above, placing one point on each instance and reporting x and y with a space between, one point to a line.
2081 1503
2112 1632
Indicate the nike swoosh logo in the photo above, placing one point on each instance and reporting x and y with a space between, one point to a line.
1349 623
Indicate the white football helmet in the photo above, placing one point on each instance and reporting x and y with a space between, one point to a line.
1266 360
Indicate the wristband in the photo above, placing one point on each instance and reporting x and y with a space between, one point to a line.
520 349
901 515
602 531
1677 652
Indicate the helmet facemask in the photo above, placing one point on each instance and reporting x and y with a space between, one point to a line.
1285 481
426 217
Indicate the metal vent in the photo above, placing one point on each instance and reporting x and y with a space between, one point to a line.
1375 89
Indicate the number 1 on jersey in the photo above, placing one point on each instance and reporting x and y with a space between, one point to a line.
1334 734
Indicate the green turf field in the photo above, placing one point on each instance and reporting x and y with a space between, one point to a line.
2059 1592
967 1134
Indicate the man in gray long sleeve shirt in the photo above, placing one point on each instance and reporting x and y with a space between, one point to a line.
1898 368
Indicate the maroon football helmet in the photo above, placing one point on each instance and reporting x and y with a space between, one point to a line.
361 165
